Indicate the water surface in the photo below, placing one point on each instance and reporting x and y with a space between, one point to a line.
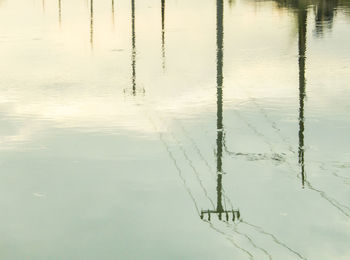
174 129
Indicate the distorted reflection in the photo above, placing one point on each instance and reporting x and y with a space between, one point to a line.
302 24
113 18
59 13
220 210
133 43
163 32
134 88
264 98
325 11
91 24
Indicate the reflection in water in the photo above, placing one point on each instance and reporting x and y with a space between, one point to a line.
113 22
43 4
59 13
92 24
133 55
163 32
325 10
301 8
220 210
134 89
302 24
231 2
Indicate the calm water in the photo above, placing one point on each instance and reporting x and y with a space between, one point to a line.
174 129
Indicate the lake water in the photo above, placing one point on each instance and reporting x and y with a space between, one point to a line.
174 129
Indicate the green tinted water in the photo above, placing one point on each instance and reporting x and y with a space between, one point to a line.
174 129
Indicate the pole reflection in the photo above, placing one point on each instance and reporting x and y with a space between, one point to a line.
134 89
92 24
220 209
163 32
59 13
113 18
133 43
302 24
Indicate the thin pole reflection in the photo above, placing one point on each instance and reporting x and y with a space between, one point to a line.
59 13
219 83
92 24
134 89
133 42
113 21
163 33
302 24
220 210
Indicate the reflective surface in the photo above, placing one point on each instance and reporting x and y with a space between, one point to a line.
174 129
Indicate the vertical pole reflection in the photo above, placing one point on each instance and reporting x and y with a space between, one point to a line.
113 22
59 13
163 32
219 102
133 42
92 24
302 24
43 5
220 210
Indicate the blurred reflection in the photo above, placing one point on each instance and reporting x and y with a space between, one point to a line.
59 13
113 22
220 210
325 10
92 24
163 32
231 2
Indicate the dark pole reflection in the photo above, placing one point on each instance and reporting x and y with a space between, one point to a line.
220 210
219 82
92 24
133 55
134 89
302 24
163 32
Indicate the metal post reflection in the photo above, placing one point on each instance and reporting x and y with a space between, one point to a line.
220 210
163 32
92 24
302 24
